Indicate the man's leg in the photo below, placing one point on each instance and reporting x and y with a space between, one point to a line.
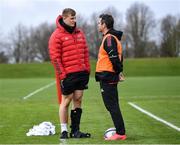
63 114
77 99
76 116
110 97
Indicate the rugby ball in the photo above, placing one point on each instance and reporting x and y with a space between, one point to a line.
109 132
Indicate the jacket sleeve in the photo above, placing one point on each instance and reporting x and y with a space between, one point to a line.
110 46
55 55
86 55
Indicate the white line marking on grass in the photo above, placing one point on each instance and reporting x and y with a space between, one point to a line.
38 90
153 116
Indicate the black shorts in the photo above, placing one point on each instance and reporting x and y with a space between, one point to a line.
74 81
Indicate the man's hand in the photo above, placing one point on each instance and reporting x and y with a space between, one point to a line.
121 77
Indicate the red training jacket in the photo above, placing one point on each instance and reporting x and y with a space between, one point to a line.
68 52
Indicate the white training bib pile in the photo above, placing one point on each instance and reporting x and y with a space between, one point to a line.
43 129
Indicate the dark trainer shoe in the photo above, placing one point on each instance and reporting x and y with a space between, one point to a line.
79 134
64 135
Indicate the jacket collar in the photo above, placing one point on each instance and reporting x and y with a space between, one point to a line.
64 27
116 33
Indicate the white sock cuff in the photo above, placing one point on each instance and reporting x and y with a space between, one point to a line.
64 127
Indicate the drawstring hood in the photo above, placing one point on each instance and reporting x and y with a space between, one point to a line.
67 27
116 33
60 24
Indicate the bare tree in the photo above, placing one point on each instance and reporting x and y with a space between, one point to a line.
89 31
4 49
152 49
93 36
39 40
170 30
1 42
19 44
82 23
118 20
3 58
140 21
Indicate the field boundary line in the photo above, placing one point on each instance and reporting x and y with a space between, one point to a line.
38 90
154 116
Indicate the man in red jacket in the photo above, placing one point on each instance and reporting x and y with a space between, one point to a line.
69 54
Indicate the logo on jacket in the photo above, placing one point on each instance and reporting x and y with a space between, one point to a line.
66 38
79 38
102 90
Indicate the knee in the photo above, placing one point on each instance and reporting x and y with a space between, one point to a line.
77 100
111 108
108 107
66 103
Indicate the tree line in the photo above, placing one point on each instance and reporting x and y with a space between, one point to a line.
144 36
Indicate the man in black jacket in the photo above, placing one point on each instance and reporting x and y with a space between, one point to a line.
108 72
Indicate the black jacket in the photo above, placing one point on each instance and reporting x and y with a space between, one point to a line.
110 46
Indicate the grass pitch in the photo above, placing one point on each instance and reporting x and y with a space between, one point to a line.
158 95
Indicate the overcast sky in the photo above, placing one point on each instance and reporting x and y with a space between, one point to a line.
34 12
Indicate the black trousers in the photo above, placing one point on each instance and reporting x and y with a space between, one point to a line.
110 97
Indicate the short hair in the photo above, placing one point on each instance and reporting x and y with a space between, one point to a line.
68 11
108 20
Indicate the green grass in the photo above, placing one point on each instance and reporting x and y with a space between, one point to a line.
152 84
132 67
31 70
158 95
152 67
